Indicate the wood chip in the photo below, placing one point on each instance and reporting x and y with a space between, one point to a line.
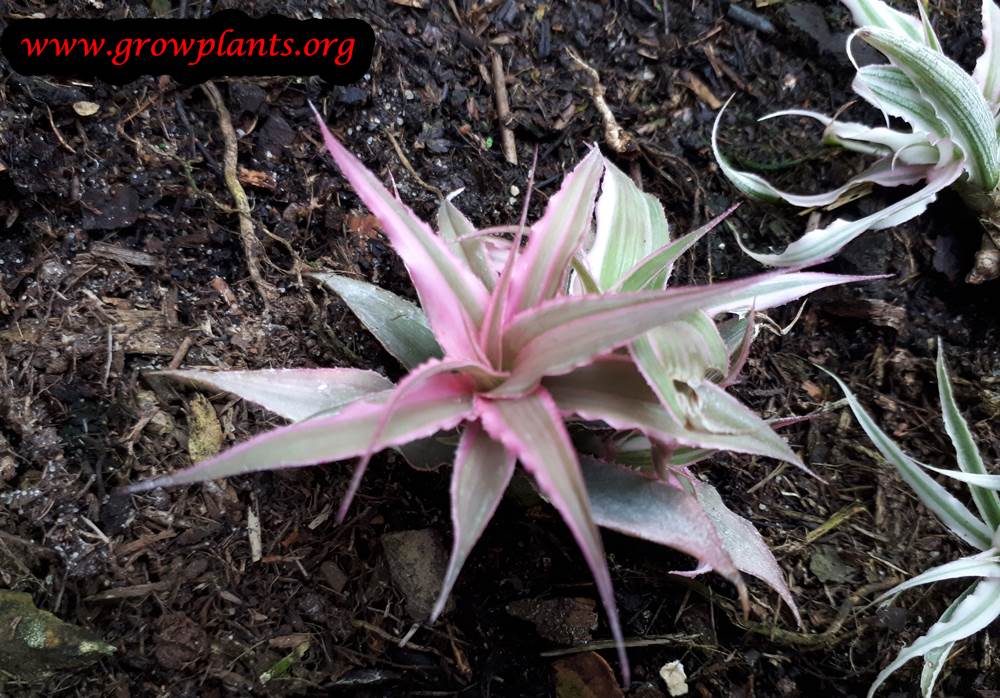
253 532
124 255
256 178
129 592
700 89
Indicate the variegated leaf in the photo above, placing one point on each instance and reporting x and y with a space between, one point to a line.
532 429
955 96
936 658
890 90
753 185
439 405
987 72
969 460
647 273
630 225
973 613
985 564
955 516
398 324
906 148
876 13
823 243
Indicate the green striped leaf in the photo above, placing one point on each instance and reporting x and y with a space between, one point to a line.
945 506
966 452
955 96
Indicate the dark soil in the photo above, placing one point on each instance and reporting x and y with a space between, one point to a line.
118 253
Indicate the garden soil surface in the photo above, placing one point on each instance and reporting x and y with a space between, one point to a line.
120 253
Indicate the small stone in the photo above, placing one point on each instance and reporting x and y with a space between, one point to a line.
86 108
51 272
567 621
247 97
179 641
335 577
674 676
417 562
828 566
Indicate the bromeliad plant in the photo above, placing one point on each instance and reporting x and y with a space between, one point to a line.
501 352
952 138
979 605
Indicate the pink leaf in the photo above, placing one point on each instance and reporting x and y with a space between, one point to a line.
451 295
293 393
556 237
442 403
561 334
483 469
531 428
411 384
613 391
745 545
644 507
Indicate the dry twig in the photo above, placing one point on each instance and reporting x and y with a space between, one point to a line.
617 138
503 109
253 249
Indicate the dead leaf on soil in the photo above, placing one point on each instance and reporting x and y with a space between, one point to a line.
34 643
585 675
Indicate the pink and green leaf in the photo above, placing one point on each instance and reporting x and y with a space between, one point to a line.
442 403
613 391
417 380
483 469
644 507
744 544
543 266
451 295
293 393
532 428
561 334
398 324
